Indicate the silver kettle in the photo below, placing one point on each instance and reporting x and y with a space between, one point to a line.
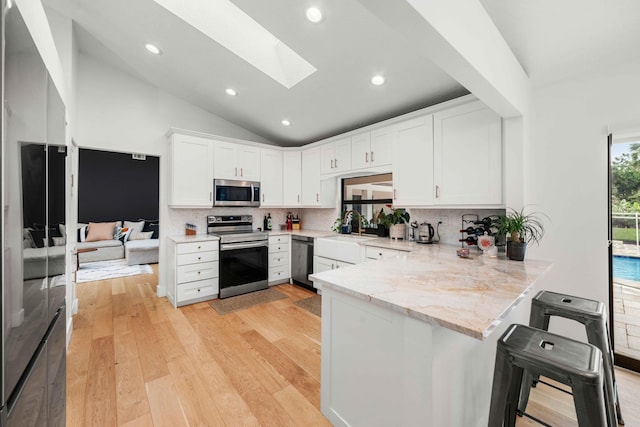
425 232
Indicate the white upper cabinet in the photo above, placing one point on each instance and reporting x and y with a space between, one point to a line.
291 177
413 165
335 156
271 167
468 156
311 177
372 149
236 161
382 143
191 171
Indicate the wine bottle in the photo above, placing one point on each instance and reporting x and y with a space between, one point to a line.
473 230
469 240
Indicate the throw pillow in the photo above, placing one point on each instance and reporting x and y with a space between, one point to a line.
142 235
100 231
38 238
82 234
27 239
63 231
59 241
135 227
126 232
156 230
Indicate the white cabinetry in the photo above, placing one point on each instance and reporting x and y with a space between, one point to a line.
194 271
311 176
413 163
335 156
279 271
271 177
291 173
191 171
372 149
468 156
236 161
321 264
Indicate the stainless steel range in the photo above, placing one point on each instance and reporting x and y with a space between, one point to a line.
244 254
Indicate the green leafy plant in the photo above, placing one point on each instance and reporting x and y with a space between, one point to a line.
521 227
396 216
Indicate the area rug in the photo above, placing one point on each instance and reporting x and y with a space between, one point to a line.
312 304
229 305
104 270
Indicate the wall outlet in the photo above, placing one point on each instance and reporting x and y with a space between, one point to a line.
444 220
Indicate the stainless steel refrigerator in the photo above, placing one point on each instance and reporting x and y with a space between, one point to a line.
33 367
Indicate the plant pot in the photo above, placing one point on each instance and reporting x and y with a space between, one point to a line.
382 231
516 250
398 231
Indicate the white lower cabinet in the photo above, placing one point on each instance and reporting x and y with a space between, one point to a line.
279 271
194 271
321 264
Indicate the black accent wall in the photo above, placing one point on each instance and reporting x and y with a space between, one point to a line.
114 186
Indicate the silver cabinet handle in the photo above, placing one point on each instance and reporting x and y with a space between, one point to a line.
298 198
210 195
317 197
372 156
366 157
241 172
437 191
236 172
331 163
395 194
262 197
335 162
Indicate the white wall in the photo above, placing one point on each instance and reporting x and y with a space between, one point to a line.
568 173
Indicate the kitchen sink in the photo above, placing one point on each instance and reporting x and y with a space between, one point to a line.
351 237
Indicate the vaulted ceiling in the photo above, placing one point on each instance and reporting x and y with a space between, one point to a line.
550 39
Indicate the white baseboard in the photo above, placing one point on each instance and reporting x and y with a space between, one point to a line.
69 330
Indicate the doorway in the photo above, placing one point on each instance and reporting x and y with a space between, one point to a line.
624 248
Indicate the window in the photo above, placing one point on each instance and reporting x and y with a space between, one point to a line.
367 195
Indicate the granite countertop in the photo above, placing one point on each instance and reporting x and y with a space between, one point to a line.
193 238
468 295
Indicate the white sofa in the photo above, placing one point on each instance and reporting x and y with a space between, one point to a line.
135 251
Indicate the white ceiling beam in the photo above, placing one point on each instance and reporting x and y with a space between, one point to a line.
460 37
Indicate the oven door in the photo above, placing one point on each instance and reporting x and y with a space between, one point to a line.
236 193
244 267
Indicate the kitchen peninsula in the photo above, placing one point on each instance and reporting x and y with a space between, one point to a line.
411 340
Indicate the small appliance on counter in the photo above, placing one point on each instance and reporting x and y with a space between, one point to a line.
295 223
426 233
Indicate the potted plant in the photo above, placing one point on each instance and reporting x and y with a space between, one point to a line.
396 221
521 229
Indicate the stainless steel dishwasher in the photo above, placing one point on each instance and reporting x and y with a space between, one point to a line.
302 261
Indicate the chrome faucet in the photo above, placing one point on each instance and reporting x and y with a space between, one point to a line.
346 215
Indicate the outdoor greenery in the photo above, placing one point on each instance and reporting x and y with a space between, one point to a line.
624 234
396 216
625 181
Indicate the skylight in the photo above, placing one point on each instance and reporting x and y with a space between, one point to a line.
228 25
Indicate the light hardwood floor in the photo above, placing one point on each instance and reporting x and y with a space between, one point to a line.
134 360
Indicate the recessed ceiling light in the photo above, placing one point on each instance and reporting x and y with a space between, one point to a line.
286 122
153 49
377 80
314 14
231 92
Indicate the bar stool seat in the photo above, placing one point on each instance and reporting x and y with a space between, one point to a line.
593 315
523 349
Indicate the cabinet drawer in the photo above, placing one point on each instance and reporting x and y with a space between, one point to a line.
198 289
192 247
381 253
278 259
278 247
196 257
278 239
193 272
278 273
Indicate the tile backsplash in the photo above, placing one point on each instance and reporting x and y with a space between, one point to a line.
321 219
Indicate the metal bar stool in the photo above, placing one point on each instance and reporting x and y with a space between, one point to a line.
526 350
593 315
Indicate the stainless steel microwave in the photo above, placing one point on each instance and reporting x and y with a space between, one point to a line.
229 192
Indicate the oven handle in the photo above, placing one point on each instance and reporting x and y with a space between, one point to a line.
231 246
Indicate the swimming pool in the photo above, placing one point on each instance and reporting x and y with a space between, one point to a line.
625 267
